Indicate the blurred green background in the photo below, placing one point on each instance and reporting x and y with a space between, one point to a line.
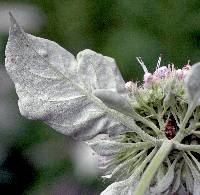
35 159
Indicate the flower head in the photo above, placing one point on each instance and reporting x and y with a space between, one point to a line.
160 107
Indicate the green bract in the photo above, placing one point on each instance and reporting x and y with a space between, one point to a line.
146 136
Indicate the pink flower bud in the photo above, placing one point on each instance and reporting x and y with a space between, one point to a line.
162 71
184 73
130 85
148 79
186 67
179 73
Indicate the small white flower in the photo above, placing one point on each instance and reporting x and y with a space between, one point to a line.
180 73
130 86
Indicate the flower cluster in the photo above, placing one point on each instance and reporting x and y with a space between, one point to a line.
160 105
162 72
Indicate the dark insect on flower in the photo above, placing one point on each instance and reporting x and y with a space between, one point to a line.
170 128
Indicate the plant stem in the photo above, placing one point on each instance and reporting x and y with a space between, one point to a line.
149 173
150 124
183 131
184 147
188 114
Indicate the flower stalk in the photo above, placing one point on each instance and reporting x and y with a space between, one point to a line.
155 163
184 131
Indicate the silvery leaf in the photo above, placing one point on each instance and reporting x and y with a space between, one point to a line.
189 179
195 174
127 187
167 180
99 72
107 146
107 149
196 187
182 190
121 170
54 86
121 188
104 146
160 173
177 181
192 83
195 160
114 100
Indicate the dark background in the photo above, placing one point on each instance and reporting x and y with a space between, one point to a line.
35 159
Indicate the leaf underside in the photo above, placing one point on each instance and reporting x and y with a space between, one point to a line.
54 86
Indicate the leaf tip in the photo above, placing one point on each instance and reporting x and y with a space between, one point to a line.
12 19
11 15
15 28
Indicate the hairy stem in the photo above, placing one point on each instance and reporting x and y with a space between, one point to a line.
188 114
183 131
150 124
184 147
149 173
